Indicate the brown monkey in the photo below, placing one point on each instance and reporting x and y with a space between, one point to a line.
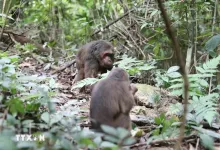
112 99
93 58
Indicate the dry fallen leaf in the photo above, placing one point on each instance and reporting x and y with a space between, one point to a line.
25 64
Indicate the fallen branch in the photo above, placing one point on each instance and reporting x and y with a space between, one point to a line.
163 141
64 67
22 40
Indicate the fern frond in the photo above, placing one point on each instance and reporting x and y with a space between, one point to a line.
205 107
213 63
207 70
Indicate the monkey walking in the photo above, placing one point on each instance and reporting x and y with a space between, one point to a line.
111 101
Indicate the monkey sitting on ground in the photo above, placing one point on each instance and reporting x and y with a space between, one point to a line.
111 101
93 58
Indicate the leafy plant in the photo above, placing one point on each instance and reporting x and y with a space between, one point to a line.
204 107
26 48
132 65
207 136
211 44
120 136
166 128
197 82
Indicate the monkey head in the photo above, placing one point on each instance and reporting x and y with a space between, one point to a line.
107 59
118 74
104 53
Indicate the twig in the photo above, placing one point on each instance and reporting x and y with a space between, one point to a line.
197 143
64 67
176 48
37 58
9 4
214 17
210 85
42 62
4 116
111 23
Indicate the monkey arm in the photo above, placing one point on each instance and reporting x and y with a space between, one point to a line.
79 76
91 69
126 103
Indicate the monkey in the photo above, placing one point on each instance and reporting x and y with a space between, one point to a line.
133 88
93 58
111 101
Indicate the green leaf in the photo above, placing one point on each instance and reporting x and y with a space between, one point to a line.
32 107
66 144
144 25
177 85
207 132
177 92
157 120
109 130
107 144
210 116
111 139
129 141
203 83
122 132
165 78
5 60
146 67
55 119
173 69
156 49
153 13
207 141
98 140
15 105
87 81
6 143
176 109
200 69
45 117
212 43
14 58
52 83
174 75
27 122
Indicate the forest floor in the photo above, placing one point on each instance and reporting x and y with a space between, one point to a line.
142 114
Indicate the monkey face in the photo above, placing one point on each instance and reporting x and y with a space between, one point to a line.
107 60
